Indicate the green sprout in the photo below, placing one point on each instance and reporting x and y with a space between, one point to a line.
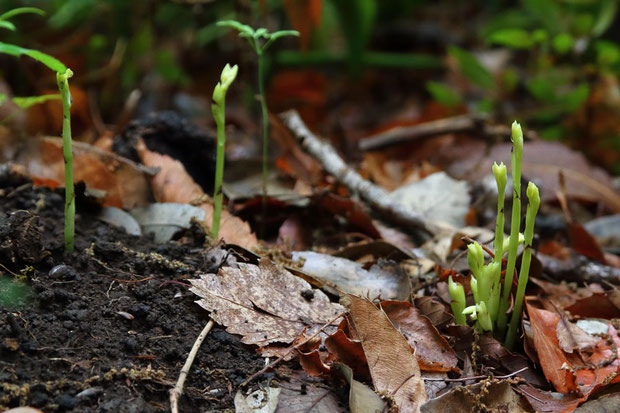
260 39
457 292
532 209
63 85
218 108
515 224
489 311
62 76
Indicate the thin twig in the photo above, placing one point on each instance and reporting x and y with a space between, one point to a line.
290 350
507 376
177 391
460 379
375 196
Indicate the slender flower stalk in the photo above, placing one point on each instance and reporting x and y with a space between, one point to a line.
218 108
499 171
457 292
516 158
532 209
62 79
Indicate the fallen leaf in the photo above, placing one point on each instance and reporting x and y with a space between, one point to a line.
486 396
584 243
164 219
434 310
546 401
437 197
607 403
350 277
302 396
348 351
569 372
542 163
393 367
121 219
173 184
554 362
430 348
263 400
125 183
264 304
571 337
597 305
361 398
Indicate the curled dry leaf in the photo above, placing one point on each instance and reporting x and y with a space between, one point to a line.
361 397
431 349
173 184
546 401
572 338
393 367
264 304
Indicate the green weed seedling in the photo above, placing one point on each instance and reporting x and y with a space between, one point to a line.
62 76
218 108
260 40
492 301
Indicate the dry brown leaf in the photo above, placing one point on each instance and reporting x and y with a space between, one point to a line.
546 401
495 396
125 183
542 162
173 184
572 338
393 367
264 304
431 349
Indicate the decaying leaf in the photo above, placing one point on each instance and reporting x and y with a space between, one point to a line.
380 280
302 396
546 401
125 183
571 337
260 401
264 304
437 197
164 219
361 398
570 372
493 395
393 367
542 162
173 184
431 350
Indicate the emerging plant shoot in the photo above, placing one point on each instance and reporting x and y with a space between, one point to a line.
218 108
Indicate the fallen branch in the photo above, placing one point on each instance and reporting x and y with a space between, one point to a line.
456 124
376 197
177 391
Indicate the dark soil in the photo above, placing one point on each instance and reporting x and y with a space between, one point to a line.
108 328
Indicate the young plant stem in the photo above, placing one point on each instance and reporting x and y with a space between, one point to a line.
532 209
265 115
218 197
219 114
457 292
517 156
499 171
62 80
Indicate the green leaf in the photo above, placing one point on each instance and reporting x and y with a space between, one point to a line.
283 33
3 98
7 25
21 10
443 94
27 101
241 28
605 17
49 61
563 43
513 38
471 68
607 53
576 97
